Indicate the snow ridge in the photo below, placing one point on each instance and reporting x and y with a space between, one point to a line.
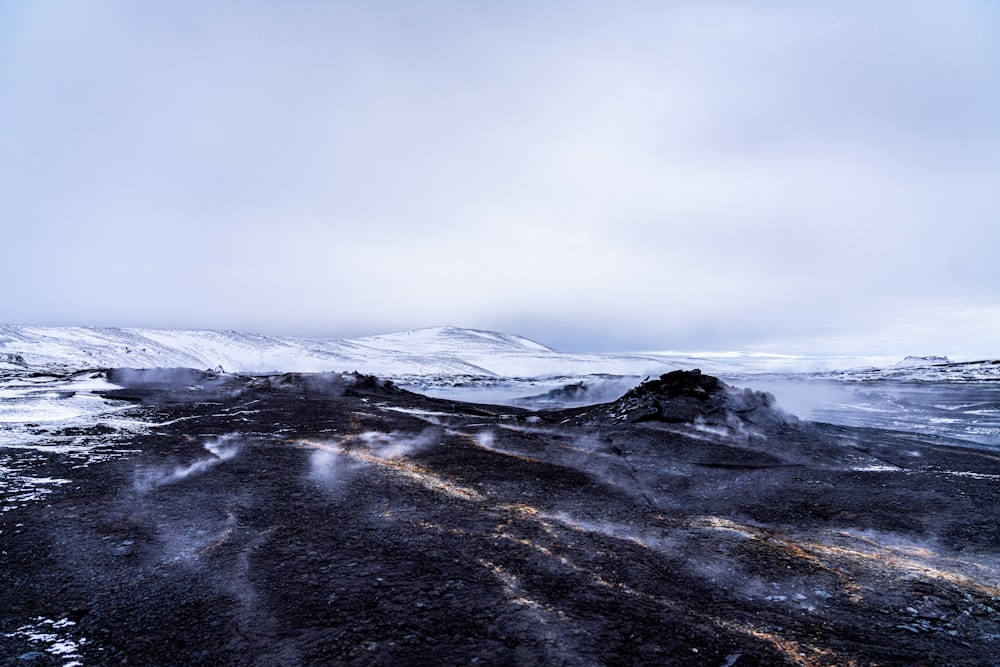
451 354
912 361
436 351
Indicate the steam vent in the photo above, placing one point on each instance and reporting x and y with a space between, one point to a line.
690 396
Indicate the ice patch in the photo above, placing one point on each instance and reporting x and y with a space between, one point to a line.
55 637
966 473
17 489
24 399
415 411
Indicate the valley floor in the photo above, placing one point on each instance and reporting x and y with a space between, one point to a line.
320 519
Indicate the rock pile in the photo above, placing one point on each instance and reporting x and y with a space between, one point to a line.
691 396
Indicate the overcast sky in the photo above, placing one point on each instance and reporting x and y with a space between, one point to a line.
787 176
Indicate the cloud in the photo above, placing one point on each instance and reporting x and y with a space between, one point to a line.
590 175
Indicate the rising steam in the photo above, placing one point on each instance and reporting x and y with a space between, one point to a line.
221 449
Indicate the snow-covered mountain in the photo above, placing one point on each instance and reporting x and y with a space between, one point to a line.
954 399
93 347
450 354
986 370
436 351
912 361
508 355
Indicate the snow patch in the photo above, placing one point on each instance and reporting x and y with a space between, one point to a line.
55 638
912 361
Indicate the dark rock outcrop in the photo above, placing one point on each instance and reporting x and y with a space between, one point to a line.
691 396
577 392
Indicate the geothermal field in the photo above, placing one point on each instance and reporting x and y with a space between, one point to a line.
207 518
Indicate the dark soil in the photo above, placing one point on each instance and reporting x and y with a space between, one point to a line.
328 520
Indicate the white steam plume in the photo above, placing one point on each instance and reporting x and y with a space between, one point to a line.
221 449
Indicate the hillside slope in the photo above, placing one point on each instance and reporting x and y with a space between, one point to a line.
425 352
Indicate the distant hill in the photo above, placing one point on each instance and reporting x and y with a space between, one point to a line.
449 351
912 361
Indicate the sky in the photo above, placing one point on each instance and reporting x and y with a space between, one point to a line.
795 177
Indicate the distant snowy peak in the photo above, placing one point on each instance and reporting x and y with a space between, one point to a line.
440 351
96 347
452 340
507 355
912 361
409 356
947 371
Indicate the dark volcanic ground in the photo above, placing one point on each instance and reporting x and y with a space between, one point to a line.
317 520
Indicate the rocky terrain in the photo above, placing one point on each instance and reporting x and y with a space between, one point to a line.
326 519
